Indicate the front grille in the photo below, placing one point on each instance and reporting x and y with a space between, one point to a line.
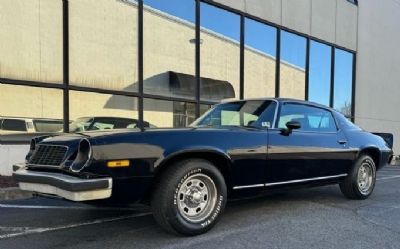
48 155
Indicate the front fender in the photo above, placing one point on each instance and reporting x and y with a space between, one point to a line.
169 155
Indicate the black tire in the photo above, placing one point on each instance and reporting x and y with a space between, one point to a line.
350 187
166 203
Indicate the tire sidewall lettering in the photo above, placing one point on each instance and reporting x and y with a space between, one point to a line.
215 213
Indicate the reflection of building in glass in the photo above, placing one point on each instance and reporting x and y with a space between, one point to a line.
103 55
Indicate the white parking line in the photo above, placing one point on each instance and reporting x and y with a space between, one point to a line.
13 229
48 229
69 207
386 178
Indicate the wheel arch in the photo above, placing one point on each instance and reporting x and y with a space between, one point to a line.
218 158
374 153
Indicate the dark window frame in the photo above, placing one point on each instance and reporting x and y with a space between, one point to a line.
311 106
66 87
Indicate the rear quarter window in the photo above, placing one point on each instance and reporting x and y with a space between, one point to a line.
310 118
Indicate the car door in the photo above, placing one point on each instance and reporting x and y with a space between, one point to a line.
317 150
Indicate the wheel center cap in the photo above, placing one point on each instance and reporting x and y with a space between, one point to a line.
196 197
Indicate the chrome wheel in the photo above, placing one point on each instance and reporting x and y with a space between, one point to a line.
197 197
365 177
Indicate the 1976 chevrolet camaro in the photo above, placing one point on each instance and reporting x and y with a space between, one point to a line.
187 174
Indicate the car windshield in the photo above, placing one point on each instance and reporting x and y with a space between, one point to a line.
81 124
241 113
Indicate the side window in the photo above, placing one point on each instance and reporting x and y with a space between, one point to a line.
310 118
14 125
267 118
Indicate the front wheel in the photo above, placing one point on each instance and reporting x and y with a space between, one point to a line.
189 197
360 182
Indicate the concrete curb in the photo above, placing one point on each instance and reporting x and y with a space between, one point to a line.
14 193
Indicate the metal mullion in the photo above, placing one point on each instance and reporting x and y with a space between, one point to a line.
353 90
140 64
53 85
167 98
278 63
103 91
241 65
332 79
307 79
208 102
65 14
198 61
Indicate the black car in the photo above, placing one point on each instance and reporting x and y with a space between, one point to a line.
188 174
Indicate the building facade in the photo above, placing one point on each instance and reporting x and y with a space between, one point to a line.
164 63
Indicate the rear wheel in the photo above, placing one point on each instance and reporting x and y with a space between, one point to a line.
360 182
189 197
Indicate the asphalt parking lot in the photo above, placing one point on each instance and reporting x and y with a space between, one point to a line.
309 218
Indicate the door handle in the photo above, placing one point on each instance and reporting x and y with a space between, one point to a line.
342 141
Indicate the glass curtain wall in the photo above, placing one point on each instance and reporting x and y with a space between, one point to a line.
343 84
219 54
259 59
320 73
101 80
293 66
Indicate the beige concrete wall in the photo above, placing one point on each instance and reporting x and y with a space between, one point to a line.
31 40
259 75
292 82
103 44
22 101
84 104
378 73
10 155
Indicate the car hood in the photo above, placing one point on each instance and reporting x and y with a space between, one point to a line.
65 139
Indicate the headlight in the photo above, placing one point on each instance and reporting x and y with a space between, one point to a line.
83 156
32 148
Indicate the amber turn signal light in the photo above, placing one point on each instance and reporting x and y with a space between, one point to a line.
118 164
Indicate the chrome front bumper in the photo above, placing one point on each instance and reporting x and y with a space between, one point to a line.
68 187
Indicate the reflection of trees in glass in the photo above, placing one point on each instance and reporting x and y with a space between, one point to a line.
346 109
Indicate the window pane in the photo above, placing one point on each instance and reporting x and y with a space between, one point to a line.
162 113
292 67
31 40
22 107
220 54
95 111
310 118
241 113
320 73
259 64
343 82
169 48
103 44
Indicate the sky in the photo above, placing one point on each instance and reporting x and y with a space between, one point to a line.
263 38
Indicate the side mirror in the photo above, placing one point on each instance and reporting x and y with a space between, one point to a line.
291 125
